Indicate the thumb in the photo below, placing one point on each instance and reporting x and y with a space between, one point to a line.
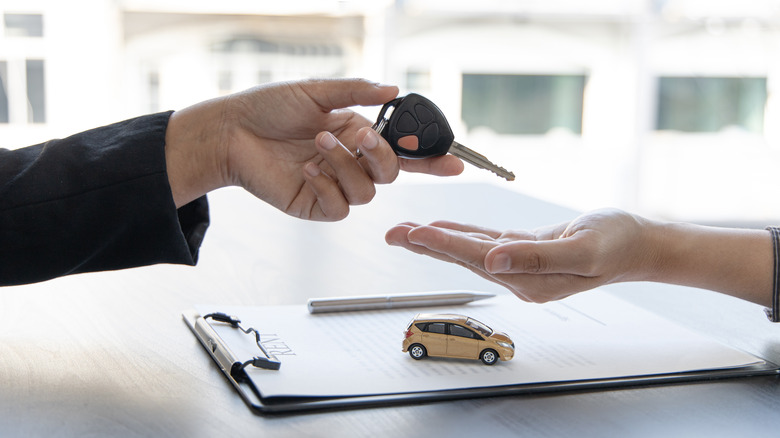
560 256
332 94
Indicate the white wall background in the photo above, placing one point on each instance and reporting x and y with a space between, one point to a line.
101 54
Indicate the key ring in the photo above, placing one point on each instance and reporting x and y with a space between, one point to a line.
379 126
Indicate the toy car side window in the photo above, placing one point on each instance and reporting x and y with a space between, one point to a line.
456 330
435 327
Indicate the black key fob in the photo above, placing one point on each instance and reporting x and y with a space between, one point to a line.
416 127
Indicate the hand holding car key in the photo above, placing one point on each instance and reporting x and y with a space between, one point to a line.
416 128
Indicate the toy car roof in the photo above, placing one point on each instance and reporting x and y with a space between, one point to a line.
440 317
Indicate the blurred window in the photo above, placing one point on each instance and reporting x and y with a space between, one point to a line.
23 25
225 81
418 80
4 116
245 61
696 104
523 104
36 92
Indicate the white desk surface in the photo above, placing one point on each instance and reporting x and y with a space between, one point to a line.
108 354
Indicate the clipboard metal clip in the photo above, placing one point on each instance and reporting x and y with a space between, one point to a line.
269 362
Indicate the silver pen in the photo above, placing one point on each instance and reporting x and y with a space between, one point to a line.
380 302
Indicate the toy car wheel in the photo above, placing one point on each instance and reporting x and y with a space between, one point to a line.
417 351
488 357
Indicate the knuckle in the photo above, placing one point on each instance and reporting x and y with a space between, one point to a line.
590 262
589 268
363 196
338 214
381 169
386 177
533 263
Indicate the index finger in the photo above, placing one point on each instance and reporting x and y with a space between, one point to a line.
467 228
330 94
463 247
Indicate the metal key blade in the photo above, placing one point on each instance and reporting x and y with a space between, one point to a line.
479 160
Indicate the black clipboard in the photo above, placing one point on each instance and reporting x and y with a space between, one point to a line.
234 369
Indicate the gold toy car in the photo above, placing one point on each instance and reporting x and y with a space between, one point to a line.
450 335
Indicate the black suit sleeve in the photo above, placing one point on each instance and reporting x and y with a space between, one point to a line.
98 200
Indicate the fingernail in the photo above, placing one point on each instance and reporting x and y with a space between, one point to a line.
328 141
369 141
312 169
501 263
415 241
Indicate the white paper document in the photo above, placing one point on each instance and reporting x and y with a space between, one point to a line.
585 337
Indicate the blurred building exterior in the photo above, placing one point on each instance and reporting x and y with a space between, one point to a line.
668 108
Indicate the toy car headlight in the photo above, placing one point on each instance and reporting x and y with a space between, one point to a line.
505 345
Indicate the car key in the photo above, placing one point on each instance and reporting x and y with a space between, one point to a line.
416 128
